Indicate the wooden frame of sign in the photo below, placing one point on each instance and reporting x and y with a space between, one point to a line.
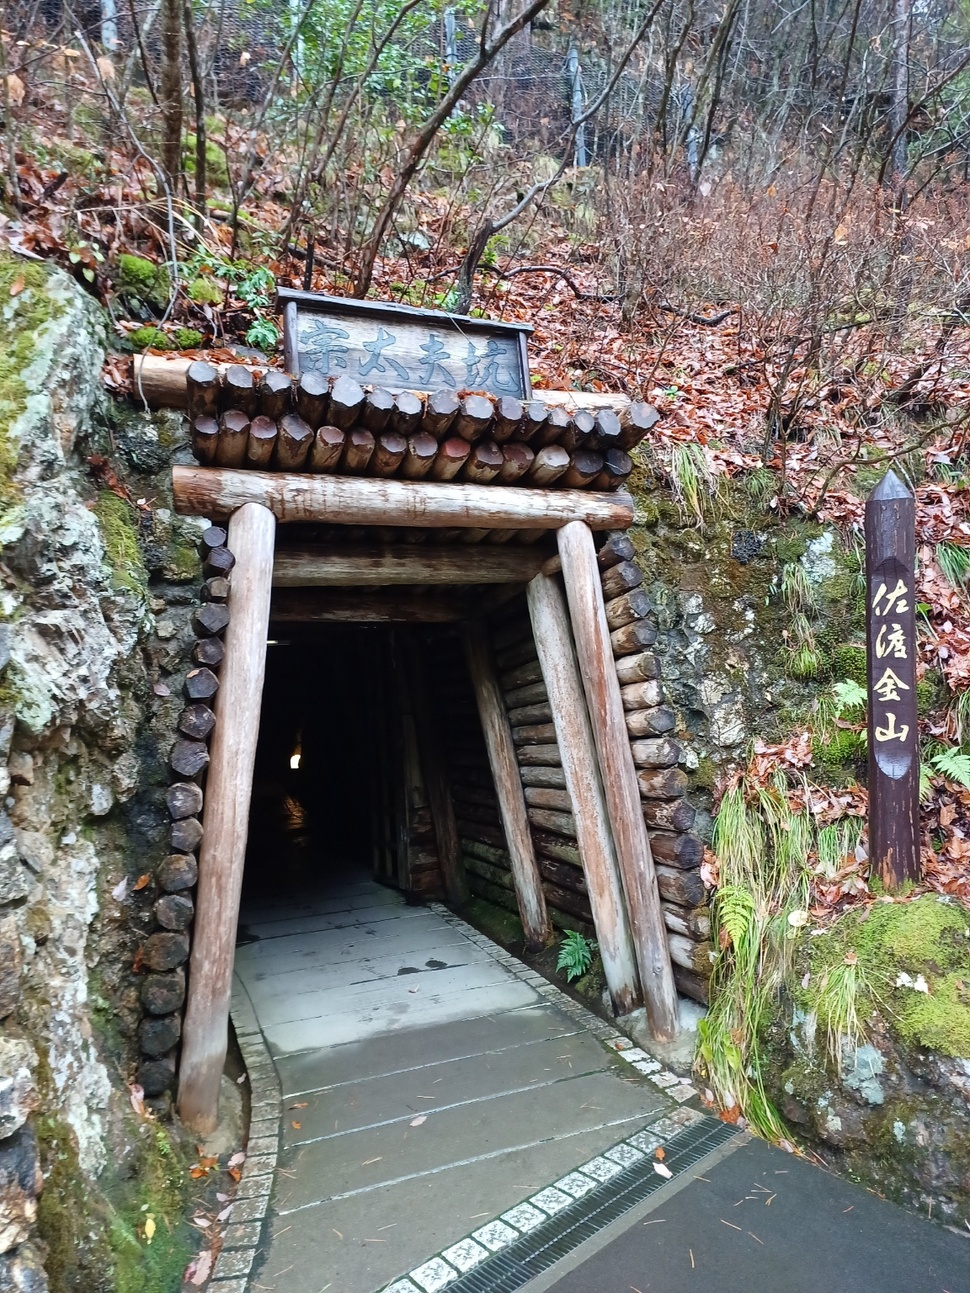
401 348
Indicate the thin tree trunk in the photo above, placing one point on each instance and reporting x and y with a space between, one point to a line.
198 92
171 92
899 113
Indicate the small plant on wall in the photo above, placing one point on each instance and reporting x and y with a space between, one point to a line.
575 955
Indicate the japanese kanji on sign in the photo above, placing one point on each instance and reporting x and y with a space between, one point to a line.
891 652
401 348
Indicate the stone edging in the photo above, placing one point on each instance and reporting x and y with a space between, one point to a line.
243 1233
467 1254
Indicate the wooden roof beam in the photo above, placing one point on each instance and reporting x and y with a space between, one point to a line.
357 567
218 492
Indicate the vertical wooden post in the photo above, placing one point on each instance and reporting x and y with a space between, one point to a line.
436 776
891 670
508 789
585 596
252 531
560 672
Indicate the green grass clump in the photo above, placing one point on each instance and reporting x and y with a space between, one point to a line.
122 550
954 562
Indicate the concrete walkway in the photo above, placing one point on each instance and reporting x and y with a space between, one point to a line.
430 1083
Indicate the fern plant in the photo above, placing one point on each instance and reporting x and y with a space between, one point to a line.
575 954
947 761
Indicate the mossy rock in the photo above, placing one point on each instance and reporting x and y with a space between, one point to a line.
122 550
840 750
205 291
143 281
849 663
96 1239
929 936
187 338
216 169
149 337
22 315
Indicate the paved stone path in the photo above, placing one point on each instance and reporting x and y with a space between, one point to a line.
430 1083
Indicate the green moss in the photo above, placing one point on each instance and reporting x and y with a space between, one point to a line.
849 662
187 338
122 550
931 693
705 774
928 937
142 338
216 170
22 316
97 1241
182 564
143 280
205 291
501 925
838 749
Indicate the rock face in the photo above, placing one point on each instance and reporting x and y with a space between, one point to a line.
86 720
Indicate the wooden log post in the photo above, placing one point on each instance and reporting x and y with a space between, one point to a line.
591 631
217 492
252 531
894 837
560 670
511 800
435 772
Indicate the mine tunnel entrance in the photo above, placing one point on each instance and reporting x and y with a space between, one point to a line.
340 785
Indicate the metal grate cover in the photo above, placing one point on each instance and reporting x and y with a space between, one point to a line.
535 1252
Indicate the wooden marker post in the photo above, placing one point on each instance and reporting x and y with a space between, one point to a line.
560 671
252 531
593 647
508 789
891 671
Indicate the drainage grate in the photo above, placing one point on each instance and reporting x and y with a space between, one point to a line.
535 1252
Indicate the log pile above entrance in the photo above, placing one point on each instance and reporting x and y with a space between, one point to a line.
335 426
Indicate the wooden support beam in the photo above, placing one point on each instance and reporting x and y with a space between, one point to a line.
436 778
358 566
592 634
252 531
560 671
508 787
367 606
207 491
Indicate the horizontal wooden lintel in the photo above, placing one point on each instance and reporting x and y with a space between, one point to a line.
342 500
355 567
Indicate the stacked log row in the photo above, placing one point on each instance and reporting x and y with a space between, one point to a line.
548 805
663 784
334 425
484 855
166 950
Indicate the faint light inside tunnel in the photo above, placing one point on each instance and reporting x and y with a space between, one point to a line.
295 759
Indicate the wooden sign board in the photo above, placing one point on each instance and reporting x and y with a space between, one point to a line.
894 838
401 348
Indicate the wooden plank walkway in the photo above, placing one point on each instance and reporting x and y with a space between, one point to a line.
430 1083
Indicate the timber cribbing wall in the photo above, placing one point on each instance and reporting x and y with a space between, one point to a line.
663 785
